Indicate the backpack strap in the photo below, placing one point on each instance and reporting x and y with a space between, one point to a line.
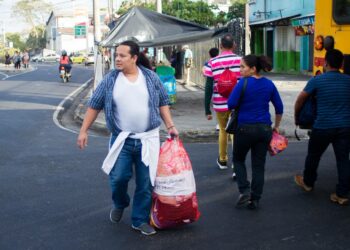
242 94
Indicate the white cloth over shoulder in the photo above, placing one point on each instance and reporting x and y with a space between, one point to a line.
150 151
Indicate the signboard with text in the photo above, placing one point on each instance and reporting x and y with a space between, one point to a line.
304 26
80 30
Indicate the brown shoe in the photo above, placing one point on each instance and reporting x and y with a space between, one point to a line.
340 200
299 180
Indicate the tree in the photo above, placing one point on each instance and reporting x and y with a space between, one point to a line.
32 12
237 9
15 38
199 12
126 5
34 41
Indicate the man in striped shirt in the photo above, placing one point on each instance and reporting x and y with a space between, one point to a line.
332 125
214 68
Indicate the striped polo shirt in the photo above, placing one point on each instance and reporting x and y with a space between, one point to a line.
332 91
214 68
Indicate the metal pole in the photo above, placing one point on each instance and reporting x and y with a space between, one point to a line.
112 58
97 36
247 30
159 6
160 51
97 29
264 31
87 33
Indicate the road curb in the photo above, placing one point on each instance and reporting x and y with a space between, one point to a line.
67 103
79 115
186 134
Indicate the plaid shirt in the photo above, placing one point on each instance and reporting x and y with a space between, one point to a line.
102 98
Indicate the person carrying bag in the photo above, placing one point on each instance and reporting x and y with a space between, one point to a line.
254 130
232 123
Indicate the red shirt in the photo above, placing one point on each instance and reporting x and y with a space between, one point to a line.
64 60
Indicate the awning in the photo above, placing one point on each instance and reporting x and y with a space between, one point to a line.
278 21
303 20
189 37
151 29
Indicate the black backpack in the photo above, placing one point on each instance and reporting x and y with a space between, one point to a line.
307 114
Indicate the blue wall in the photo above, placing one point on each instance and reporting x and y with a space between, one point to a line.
287 7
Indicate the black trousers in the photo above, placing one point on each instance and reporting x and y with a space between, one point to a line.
318 143
254 137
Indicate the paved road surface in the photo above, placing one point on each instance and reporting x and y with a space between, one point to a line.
54 196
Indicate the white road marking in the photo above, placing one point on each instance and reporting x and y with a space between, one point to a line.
9 76
61 107
6 76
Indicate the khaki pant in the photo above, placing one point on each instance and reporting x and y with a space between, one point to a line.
187 75
222 118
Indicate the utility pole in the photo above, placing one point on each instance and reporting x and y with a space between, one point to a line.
110 9
159 6
160 51
97 39
97 29
247 30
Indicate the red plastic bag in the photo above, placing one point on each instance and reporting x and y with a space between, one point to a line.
226 82
174 195
278 143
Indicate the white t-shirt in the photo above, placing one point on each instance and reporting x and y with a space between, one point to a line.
131 99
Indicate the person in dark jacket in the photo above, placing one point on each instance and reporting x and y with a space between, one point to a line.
7 59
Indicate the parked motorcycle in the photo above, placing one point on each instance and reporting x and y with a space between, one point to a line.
64 75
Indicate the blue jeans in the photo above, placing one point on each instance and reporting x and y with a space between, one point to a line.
121 174
254 137
318 143
67 67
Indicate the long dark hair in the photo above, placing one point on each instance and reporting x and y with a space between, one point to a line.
259 62
135 51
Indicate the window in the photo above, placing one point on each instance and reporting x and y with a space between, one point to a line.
341 11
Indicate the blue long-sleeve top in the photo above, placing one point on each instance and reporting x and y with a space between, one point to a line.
254 106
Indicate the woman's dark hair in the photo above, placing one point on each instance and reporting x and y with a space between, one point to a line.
135 51
213 52
259 62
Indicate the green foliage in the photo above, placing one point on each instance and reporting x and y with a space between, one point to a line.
32 12
221 18
126 5
36 38
237 9
15 38
3 51
199 12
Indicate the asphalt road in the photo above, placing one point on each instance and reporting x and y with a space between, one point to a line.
54 196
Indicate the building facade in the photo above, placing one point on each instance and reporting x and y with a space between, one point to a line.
70 31
284 31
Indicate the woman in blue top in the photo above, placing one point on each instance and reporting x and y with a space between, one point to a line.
254 126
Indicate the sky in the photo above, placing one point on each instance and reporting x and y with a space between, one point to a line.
10 23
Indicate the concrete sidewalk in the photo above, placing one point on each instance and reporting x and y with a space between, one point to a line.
11 68
189 117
